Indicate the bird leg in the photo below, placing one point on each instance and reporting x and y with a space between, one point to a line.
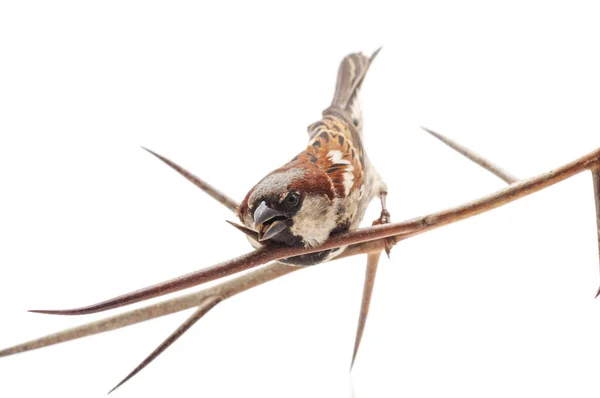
384 218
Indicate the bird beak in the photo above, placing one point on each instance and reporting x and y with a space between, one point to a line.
268 222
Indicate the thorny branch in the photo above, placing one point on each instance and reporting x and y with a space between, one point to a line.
405 229
367 240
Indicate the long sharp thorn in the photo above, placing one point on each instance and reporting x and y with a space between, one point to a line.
203 308
249 232
596 180
195 278
370 273
373 259
474 157
197 181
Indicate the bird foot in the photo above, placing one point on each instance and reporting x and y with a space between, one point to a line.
385 218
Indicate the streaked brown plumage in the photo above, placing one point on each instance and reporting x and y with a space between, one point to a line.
326 188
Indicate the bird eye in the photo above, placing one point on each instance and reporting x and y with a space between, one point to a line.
292 200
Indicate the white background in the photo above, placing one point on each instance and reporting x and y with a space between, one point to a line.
499 305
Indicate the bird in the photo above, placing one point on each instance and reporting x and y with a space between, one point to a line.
326 188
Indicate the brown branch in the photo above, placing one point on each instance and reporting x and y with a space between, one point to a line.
211 301
272 271
224 290
403 229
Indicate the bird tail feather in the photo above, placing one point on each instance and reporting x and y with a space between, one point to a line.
351 74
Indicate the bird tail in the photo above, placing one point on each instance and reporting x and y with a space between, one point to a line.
350 76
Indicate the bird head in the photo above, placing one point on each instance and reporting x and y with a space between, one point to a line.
295 206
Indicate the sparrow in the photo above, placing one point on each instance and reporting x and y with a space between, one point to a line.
325 189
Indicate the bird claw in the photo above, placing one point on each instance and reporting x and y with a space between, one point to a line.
385 218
